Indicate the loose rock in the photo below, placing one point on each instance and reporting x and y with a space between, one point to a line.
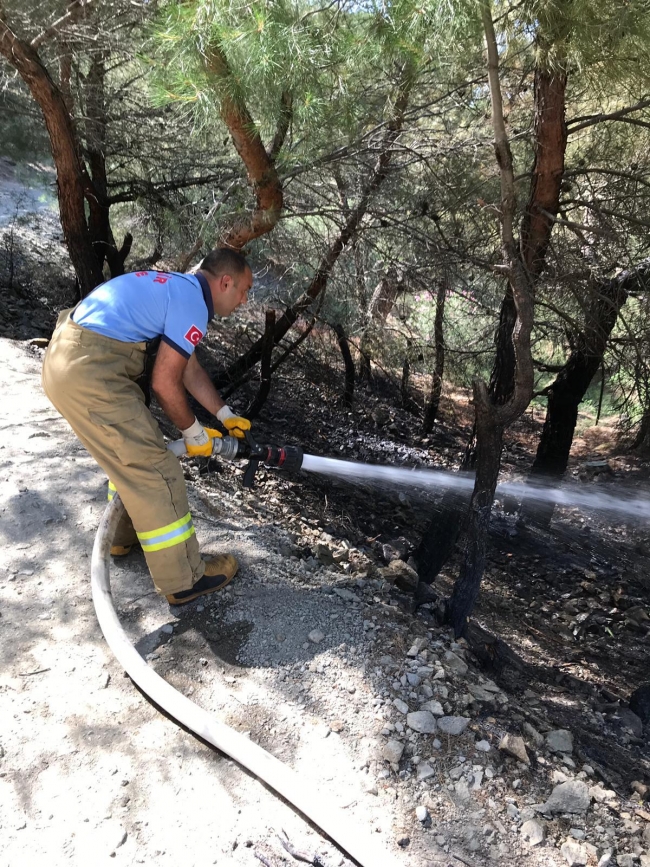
533 831
570 797
453 725
455 664
514 746
575 854
392 751
560 741
421 721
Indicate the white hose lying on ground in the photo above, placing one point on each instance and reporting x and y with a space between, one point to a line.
352 839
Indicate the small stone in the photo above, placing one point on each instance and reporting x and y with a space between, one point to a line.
605 860
533 832
422 721
632 724
574 853
533 735
480 693
514 746
400 705
346 595
483 746
425 771
336 726
570 797
168 629
422 813
392 751
560 741
577 833
403 841
433 707
316 636
418 645
625 859
455 664
453 725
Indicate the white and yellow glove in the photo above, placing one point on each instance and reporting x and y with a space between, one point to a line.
198 439
234 424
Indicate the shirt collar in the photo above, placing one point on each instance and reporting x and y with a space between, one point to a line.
207 295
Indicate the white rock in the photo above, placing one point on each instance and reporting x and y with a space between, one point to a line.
422 813
401 706
433 707
316 636
605 860
392 751
425 771
625 859
421 721
575 854
483 746
570 797
514 746
417 646
168 629
533 831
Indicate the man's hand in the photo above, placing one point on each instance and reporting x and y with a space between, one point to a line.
198 439
234 424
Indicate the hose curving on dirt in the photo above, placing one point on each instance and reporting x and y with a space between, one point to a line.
304 796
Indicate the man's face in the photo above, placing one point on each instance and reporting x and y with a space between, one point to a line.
232 291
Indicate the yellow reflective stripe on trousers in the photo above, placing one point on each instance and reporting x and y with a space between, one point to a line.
112 490
167 536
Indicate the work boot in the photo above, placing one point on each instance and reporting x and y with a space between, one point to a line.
120 550
123 550
219 571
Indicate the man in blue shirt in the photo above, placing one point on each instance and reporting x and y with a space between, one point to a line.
90 373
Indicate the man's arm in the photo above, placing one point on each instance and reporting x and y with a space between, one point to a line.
200 386
167 383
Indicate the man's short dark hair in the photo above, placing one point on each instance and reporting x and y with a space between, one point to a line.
224 261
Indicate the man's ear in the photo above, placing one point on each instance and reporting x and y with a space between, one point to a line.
226 282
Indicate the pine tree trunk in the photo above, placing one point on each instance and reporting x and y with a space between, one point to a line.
348 232
348 393
431 410
65 153
566 393
466 588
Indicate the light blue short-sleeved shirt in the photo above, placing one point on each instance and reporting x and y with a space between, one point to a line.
143 305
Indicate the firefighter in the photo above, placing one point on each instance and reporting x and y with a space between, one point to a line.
92 374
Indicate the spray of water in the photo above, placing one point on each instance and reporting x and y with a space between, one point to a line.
430 481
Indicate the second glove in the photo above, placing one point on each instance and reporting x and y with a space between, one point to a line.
198 439
234 424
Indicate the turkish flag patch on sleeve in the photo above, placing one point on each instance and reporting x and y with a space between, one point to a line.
194 335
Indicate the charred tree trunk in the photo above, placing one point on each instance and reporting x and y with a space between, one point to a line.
566 393
347 233
265 371
489 436
405 392
65 153
511 382
431 410
348 394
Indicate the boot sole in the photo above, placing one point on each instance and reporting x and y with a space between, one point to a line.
173 601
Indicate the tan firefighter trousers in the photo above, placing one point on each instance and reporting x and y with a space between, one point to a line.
90 379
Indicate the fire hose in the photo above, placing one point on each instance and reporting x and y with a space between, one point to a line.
304 796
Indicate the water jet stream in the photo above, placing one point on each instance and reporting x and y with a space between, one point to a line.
437 480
